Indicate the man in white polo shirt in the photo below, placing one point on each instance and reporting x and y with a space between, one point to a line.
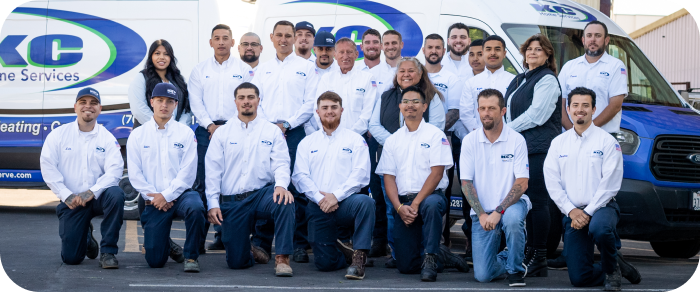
494 173
304 33
458 42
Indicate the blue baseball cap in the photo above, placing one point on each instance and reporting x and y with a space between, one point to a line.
89 91
324 39
305 25
165 90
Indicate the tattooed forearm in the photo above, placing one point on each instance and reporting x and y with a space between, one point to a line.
470 193
451 118
513 196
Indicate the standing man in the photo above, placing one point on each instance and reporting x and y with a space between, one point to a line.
247 179
494 177
392 46
413 163
583 172
211 97
447 83
324 48
372 50
332 166
81 163
494 77
287 85
250 49
476 57
304 33
457 46
605 74
161 158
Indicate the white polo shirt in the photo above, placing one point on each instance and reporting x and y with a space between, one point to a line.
287 89
448 84
464 72
607 77
409 156
162 160
244 158
358 90
73 161
337 164
583 170
330 68
383 74
468 106
494 167
211 88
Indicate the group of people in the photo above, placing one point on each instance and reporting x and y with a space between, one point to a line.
352 159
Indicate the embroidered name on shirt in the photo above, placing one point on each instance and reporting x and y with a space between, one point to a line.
425 145
347 150
573 76
598 152
146 146
268 143
100 149
68 148
301 73
507 157
178 145
563 156
233 143
314 151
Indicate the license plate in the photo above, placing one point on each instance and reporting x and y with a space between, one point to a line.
696 200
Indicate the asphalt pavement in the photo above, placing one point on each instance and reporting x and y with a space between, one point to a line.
30 253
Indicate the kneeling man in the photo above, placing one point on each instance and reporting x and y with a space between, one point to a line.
247 174
332 166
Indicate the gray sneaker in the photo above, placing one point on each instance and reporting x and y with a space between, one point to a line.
108 261
191 266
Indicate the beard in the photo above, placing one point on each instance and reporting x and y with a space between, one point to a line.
459 53
324 63
438 60
488 126
303 51
248 113
331 125
595 53
250 58
88 119
372 58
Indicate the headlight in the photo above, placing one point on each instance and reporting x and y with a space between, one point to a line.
629 141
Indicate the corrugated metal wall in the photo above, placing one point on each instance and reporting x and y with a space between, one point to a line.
675 50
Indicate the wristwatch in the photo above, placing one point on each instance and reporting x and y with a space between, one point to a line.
286 125
499 209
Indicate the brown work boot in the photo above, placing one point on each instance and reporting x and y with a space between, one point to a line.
356 271
259 255
282 268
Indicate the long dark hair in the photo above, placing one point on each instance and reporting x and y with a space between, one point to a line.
424 83
172 74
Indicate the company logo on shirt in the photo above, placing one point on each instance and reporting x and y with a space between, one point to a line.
441 86
425 145
598 152
268 72
238 76
360 90
314 151
178 145
68 148
347 150
479 88
268 143
206 76
100 149
507 157
301 73
605 74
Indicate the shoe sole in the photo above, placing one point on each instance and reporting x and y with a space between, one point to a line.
191 271
109 267
517 285
284 274
301 261
428 280
353 277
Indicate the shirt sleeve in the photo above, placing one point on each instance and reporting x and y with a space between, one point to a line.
521 166
49 159
302 174
134 166
246 72
196 97
441 152
303 114
387 164
467 168
322 87
215 160
375 126
280 160
618 84
454 93
370 96
188 165
544 101
113 166
553 179
466 108
137 100
359 177
563 76
611 177
437 113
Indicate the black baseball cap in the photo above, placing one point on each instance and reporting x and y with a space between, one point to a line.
89 91
165 90
324 39
305 25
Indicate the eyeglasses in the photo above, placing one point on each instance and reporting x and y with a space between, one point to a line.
411 101
253 45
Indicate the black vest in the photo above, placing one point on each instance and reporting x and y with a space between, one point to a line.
538 138
389 112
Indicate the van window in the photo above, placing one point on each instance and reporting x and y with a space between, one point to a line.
479 34
645 84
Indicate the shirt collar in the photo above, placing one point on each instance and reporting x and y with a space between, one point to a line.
167 125
603 59
503 137
93 132
586 134
420 126
488 72
251 124
288 59
225 63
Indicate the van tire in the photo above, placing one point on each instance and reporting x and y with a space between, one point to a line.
682 249
131 210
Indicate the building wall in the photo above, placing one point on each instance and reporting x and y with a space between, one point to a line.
673 49
630 22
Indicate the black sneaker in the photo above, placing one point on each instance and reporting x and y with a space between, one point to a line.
346 249
516 280
557 264
93 249
613 282
627 270
378 249
537 264
300 255
217 244
108 261
390 264
429 268
451 260
176 252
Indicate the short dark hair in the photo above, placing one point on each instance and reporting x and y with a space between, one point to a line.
222 26
393 32
495 38
605 27
457 25
246 85
478 43
346 40
414 89
581 91
373 32
434 36
283 22
489 92
329 95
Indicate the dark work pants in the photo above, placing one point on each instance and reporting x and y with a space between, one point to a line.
579 247
355 213
202 136
156 228
538 220
422 236
74 224
239 220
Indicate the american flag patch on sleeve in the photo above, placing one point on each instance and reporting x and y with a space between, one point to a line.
252 73
374 84
623 71
444 142
363 141
117 143
617 147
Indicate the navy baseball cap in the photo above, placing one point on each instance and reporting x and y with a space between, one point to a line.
165 90
305 25
89 91
324 39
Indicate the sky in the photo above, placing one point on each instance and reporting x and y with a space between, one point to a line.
651 7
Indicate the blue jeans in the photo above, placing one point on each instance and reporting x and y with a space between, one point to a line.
156 228
422 236
355 213
73 225
488 262
601 232
389 219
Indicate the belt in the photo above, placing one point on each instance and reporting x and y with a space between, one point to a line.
148 203
407 198
241 196
219 122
